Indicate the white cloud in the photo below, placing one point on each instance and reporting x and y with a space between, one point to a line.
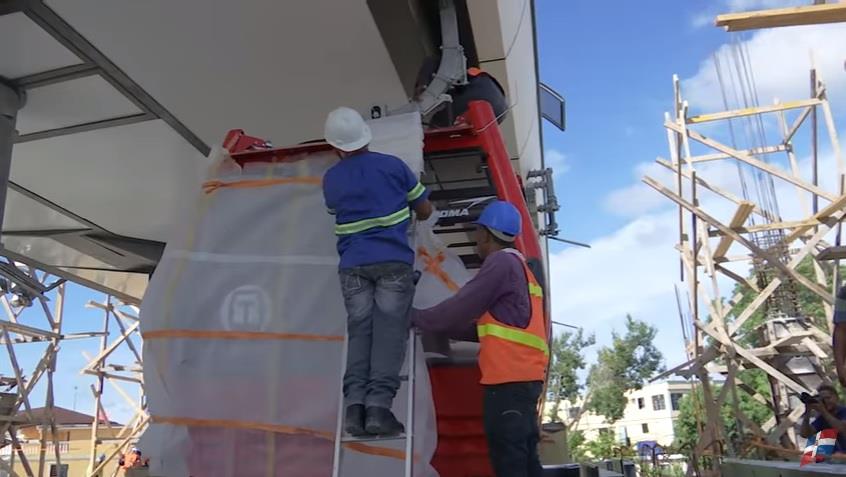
703 19
637 198
557 160
629 271
747 5
780 60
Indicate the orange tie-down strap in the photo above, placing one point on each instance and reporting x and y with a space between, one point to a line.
235 335
281 429
211 186
433 266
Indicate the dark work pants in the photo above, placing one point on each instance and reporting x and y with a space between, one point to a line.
511 425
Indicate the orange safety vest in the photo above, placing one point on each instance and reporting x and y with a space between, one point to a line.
508 354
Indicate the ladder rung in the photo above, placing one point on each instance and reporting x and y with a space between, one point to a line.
346 439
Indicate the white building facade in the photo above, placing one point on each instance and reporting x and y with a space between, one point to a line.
650 415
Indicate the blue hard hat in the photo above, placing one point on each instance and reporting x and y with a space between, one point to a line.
502 219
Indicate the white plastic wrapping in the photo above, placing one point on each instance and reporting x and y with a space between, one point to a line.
244 322
443 272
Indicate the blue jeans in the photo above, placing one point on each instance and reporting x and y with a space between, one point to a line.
378 300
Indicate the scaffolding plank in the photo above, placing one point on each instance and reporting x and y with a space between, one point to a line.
739 113
744 210
27 330
781 17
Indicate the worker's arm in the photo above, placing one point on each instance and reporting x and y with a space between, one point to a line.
458 314
839 338
839 344
806 430
328 196
418 195
833 421
423 209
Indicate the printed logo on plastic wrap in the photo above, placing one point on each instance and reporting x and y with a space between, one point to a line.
246 308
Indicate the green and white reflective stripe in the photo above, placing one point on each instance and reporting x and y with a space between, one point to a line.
367 224
415 193
535 290
515 336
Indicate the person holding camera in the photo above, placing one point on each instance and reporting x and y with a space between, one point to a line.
830 415
839 338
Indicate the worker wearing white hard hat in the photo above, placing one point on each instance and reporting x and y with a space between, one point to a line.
371 194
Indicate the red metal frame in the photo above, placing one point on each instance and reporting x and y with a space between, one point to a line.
483 133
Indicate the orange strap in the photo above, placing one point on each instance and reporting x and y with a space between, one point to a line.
212 186
433 266
243 425
235 335
278 428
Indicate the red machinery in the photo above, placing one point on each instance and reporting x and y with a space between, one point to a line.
466 165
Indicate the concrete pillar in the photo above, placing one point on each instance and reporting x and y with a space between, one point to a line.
11 101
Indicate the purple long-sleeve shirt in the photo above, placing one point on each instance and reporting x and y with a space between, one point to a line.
500 287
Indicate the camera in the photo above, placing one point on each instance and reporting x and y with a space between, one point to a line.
808 399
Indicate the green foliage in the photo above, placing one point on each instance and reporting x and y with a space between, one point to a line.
810 305
693 405
625 365
602 447
566 360
575 442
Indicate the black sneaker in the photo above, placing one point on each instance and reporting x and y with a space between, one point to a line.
354 420
381 422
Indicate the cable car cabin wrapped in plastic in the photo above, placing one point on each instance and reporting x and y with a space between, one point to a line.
244 323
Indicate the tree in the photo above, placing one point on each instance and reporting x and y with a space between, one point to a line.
687 429
808 303
625 365
576 442
566 360
602 447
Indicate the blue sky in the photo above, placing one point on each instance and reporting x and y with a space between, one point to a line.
614 64
615 73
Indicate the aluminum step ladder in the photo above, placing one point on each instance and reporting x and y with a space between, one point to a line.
342 437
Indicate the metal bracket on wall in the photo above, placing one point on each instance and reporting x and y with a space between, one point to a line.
543 179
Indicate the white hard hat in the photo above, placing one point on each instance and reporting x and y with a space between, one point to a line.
346 130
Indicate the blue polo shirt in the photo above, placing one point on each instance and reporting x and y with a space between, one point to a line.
369 193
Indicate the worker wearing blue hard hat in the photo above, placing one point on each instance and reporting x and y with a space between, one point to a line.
503 307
